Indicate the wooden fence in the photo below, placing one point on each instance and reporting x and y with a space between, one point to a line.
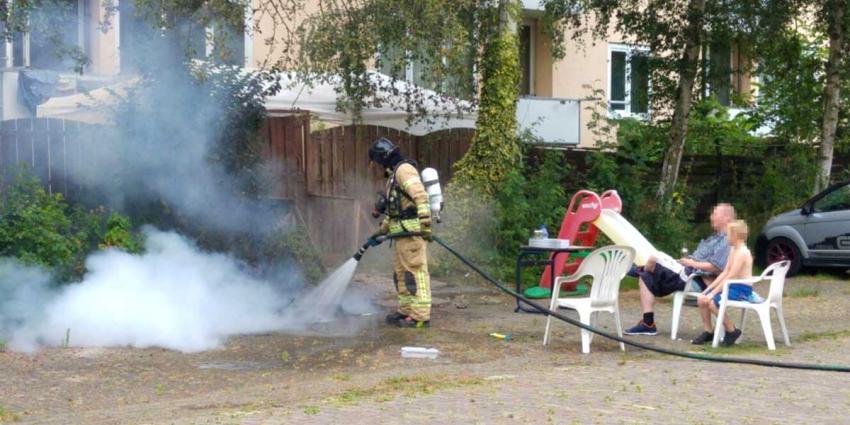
47 146
325 174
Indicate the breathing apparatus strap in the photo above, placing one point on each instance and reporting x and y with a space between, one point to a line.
394 181
407 213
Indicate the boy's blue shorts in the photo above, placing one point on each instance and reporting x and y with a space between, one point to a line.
737 292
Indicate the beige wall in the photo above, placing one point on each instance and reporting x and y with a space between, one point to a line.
543 70
585 64
103 45
266 34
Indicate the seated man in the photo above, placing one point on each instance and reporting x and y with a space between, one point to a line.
659 278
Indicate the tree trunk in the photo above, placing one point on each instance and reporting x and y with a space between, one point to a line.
831 91
684 97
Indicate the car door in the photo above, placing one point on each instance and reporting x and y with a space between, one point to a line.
827 228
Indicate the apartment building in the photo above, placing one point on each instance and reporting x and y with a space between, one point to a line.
554 93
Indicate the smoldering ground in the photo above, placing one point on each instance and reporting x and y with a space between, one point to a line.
173 296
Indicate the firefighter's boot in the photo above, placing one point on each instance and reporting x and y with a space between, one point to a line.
394 317
409 322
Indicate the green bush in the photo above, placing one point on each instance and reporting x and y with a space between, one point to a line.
528 198
293 244
119 234
629 166
784 185
42 229
34 226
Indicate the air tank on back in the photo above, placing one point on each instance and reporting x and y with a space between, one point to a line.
431 180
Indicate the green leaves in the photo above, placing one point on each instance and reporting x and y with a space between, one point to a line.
438 42
119 234
40 228
530 196
495 148
33 225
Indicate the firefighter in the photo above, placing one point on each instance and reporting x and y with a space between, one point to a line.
406 209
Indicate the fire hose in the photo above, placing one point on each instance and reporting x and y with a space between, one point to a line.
576 323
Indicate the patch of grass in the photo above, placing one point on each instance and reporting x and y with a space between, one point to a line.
342 377
413 386
384 398
830 276
7 415
743 348
816 336
410 386
805 292
2 345
312 410
629 284
352 396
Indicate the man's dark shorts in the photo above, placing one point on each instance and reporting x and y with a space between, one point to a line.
662 281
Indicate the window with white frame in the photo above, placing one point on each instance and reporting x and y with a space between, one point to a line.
402 65
628 80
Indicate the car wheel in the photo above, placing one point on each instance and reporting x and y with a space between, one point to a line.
780 249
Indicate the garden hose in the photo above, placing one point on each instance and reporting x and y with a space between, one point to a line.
695 356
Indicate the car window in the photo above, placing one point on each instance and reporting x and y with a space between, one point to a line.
838 199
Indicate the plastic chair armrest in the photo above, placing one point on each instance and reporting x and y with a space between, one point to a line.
573 277
724 294
748 281
687 284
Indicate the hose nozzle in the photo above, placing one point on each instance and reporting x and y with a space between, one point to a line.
359 254
371 242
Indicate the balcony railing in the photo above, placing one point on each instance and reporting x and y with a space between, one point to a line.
551 120
532 5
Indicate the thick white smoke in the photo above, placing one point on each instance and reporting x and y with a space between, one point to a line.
173 296
24 291
163 158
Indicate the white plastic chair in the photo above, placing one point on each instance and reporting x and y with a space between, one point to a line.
607 266
776 274
679 300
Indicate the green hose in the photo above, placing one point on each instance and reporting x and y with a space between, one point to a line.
555 314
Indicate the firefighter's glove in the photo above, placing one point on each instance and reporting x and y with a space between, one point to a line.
373 241
425 224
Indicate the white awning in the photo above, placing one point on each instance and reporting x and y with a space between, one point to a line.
90 107
322 101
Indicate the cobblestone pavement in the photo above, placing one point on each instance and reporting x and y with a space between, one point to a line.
357 376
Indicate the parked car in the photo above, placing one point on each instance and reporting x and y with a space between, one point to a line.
815 235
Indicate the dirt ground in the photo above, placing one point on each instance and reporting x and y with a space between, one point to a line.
351 371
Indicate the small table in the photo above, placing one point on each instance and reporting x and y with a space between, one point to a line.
525 251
